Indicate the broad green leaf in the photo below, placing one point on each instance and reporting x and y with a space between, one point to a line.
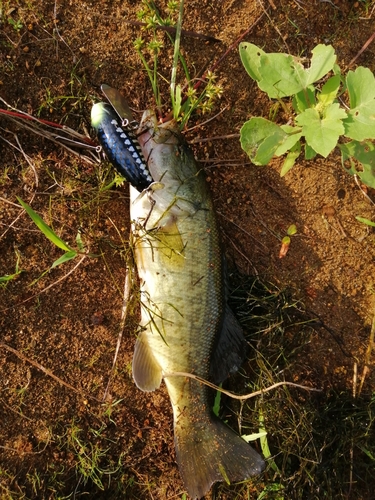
290 159
334 112
260 138
269 146
364 153
250 57
64 258
336 69
281 75
329 90
304 99
289 129
46 230
293 136
322 134
310 153
360 123
361 87
322 62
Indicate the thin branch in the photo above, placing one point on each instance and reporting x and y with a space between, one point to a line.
124 314
19 148
236 42
216 138
362 190
370 40
45 370
199 125
243 230
47 287
366 368
265 11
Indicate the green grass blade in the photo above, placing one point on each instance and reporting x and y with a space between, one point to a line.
175 60
365 221
254 436
8 277
64 258
46 230
264 443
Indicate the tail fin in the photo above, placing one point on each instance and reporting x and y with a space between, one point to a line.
209 452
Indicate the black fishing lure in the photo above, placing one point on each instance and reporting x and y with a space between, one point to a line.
114 126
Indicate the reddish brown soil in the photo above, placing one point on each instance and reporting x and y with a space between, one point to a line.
71 329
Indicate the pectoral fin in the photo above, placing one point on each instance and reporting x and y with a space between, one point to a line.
230 349
147 373
170 244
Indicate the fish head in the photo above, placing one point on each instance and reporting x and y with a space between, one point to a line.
172 166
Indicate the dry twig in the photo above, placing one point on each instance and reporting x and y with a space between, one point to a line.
240 397
45 370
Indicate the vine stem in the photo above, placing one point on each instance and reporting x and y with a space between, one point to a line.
238 396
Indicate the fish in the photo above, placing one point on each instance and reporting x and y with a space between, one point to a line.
186 326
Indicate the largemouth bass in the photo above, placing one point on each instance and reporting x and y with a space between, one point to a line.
186 325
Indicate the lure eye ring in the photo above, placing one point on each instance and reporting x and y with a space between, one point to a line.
129 124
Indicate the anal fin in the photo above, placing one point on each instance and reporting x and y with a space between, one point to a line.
230 349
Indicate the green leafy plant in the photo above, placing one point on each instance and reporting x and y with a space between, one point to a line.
324 107
185 98
88 448
285 242
49 233
17 24
4 280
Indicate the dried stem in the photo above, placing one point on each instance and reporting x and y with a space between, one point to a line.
366 368
124 314
44 370
49 286
238 396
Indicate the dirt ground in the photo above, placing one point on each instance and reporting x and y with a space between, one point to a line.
73 427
